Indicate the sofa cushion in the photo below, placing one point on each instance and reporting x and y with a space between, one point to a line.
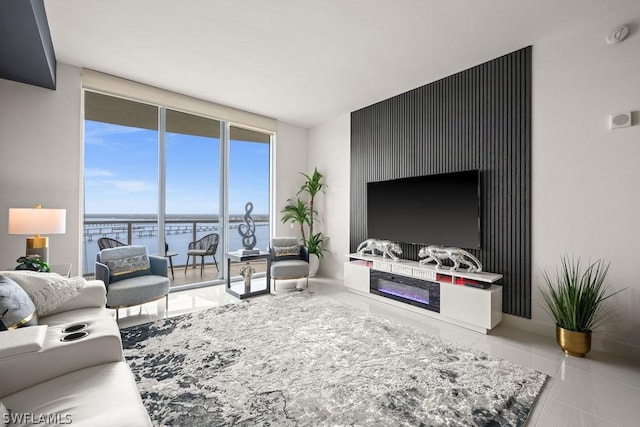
102 395
101 345
137 290
93 294
16 308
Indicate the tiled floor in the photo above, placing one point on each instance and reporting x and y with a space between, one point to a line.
600 390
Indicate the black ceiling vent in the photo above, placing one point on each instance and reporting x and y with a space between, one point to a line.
26 50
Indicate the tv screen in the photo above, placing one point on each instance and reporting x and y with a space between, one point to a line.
441 209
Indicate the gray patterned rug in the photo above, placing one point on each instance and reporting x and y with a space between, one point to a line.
305 360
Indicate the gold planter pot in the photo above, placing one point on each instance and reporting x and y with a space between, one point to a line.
573 343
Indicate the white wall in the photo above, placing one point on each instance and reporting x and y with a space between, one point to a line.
40 152
586 191
290 160
330 152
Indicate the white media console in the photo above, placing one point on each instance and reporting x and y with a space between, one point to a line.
467 299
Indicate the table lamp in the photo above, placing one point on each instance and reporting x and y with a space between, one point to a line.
37 221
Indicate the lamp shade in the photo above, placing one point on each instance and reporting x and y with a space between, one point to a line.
37 221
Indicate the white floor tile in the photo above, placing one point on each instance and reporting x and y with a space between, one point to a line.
540 403
557 414
596 395
610 366
540 345
513 352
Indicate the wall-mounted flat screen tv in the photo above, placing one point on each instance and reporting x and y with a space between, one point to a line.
442 209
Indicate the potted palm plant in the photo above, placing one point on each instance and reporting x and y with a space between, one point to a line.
296 212
574 299
300 212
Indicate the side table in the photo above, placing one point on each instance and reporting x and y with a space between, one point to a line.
170 255
62 269
238 257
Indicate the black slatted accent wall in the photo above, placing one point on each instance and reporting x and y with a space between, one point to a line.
480 119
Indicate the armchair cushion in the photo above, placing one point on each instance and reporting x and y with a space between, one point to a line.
125 262
286 252
289 269
284 241
137 290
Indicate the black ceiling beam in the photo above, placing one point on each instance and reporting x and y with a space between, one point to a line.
26 49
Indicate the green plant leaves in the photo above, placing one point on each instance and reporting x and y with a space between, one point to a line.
314 243
296 212
303 213
575 298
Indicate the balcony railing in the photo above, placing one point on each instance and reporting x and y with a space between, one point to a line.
178 234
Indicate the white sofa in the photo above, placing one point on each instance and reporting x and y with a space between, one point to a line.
84 382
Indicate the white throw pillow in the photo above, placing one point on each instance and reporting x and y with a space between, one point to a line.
48 291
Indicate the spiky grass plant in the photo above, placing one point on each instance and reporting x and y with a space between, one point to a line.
575 298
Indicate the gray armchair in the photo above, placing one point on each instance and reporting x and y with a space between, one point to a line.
289 260
131 276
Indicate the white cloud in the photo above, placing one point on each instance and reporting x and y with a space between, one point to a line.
95 172
131 185
98 133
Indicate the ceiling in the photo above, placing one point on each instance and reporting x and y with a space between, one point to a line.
302 62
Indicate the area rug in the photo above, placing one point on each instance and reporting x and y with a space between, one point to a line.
306 360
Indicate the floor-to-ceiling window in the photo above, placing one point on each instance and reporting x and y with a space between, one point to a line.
248 190
156 176
120 173
248 194
193 185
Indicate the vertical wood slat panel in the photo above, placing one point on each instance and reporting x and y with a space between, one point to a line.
479 118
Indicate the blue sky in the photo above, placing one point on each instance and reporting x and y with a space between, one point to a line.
121 172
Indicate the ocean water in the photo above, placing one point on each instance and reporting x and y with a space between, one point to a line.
178 236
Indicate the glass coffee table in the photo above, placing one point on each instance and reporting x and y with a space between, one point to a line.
247 288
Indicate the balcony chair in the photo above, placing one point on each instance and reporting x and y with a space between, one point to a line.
206 246
132 277
289 260
106 242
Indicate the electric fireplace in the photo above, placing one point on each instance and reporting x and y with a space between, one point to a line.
418 292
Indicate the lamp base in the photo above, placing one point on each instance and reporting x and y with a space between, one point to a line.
36 249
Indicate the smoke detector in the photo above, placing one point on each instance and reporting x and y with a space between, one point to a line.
618 34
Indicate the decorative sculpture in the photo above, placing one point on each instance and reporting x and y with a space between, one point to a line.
247 272
385 247
248 230
457 255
